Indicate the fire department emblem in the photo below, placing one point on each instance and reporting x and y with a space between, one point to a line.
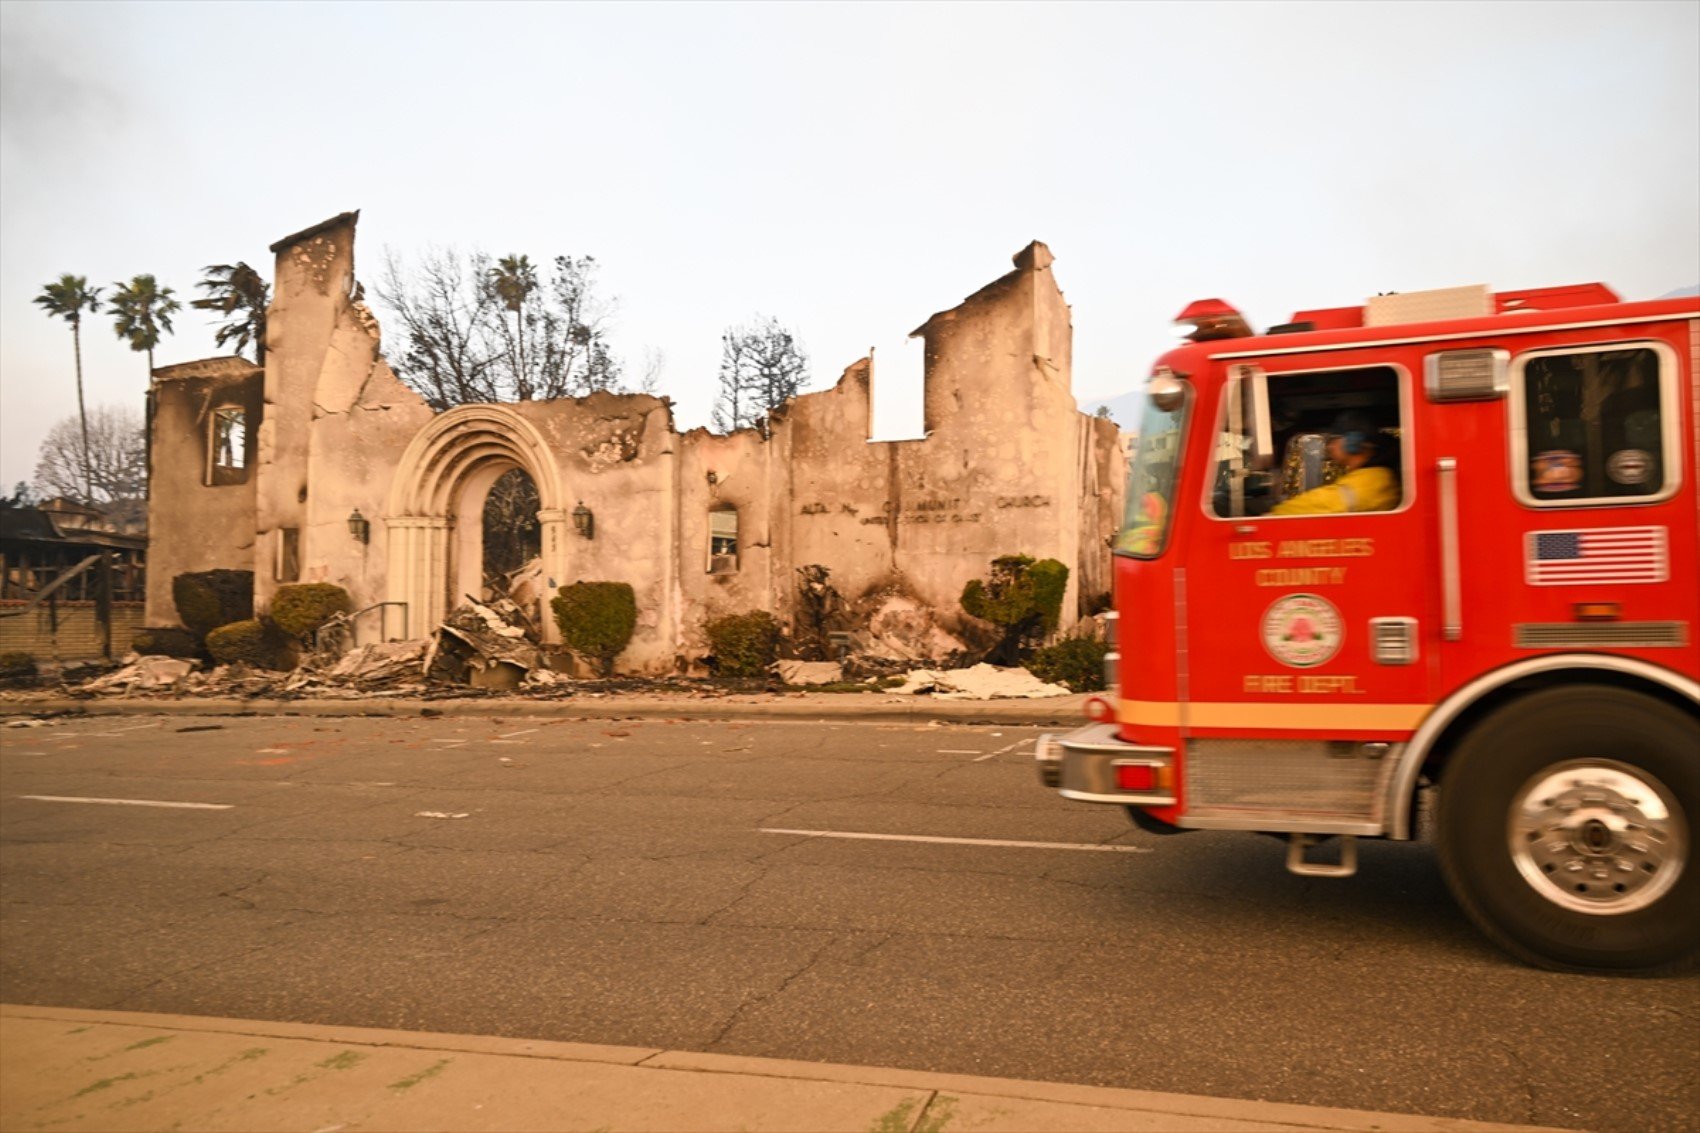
1302 630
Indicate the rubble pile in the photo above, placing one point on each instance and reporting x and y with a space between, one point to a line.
145 674
489 646
386 668
981 682
801 674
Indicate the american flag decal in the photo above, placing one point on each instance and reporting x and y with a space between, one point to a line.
1605 554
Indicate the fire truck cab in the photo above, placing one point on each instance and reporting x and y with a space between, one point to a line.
1446 539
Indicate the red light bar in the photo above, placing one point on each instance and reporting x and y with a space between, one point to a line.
1204 320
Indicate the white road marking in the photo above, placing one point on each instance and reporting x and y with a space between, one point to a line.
127 802
142 727
521 732
962 841
455 743
958 751
1001 750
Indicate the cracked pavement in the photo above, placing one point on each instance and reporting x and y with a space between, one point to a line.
610 884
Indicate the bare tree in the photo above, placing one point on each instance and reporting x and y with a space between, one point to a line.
732 402
445 308
654 368
577 325
115 458
459 346
762 366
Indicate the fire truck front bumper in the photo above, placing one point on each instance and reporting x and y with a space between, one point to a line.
1093 765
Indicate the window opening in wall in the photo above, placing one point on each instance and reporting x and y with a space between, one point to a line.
227 446
288 554
722 542
1592 422
1320 443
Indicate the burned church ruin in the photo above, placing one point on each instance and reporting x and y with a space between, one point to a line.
321 466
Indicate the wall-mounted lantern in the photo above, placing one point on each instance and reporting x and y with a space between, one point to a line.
359 526
584 522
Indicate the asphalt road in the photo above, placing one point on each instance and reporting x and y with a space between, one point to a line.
620 882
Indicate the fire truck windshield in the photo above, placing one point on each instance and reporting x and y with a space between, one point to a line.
1151 477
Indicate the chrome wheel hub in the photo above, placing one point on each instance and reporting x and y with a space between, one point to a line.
1597 836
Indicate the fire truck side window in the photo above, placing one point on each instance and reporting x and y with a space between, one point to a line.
1331 442
1592 424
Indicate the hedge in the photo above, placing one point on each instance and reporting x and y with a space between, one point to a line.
744 645
596 620
300 608
208 599
255 642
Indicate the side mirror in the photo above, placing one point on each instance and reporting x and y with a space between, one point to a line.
1167 392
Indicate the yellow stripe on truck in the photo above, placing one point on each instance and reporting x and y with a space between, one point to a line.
1332 716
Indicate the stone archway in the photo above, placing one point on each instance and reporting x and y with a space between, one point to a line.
434 519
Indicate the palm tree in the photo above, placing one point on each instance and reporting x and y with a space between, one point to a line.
241 294
68 299
141 309
513 279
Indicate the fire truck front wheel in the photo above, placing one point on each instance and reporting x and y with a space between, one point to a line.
1567 830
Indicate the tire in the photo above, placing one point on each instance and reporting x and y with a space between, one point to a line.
1567 829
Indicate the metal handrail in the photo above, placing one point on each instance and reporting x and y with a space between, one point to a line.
348 620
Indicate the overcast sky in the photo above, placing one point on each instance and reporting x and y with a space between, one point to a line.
849 169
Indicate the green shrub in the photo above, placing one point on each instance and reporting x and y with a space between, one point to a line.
596 620
208 599
165 641
258 643
1023 596
300 608
1075 662
16 665
744 645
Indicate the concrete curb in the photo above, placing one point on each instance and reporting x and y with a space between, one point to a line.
128 1070
1061 711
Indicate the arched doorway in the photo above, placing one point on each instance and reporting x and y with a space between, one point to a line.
435 521
512 534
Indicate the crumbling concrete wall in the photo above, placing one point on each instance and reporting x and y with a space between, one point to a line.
195 524
1006 466
337 422
615 454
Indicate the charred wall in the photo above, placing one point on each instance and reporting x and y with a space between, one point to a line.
200 510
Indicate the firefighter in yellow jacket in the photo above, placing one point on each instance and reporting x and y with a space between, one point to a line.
1370 481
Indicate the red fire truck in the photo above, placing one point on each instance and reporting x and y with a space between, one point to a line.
1507 614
